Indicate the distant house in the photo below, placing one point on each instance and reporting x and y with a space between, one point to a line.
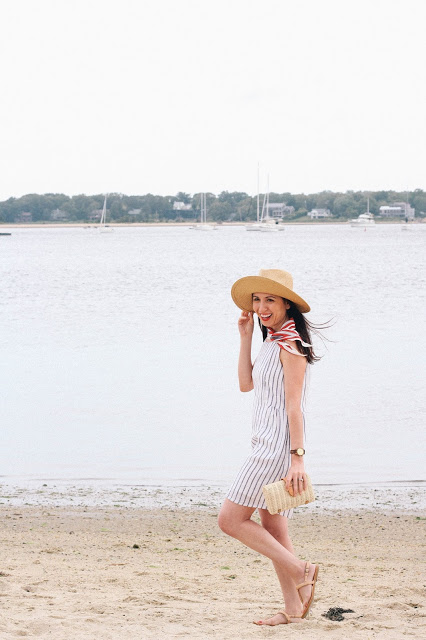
181 206
25 216
134 212
58 215
319 213
278 210
95 215
397 210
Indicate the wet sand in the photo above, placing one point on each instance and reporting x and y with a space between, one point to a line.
129 573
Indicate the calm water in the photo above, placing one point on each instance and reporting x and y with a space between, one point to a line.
118 352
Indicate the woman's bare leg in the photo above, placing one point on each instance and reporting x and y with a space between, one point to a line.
235 520
277 526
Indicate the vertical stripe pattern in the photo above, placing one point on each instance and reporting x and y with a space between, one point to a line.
269 459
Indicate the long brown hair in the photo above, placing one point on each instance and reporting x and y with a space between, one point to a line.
304 329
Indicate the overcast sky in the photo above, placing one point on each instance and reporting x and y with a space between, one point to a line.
139 96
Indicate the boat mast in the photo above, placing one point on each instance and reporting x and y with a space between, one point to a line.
203 208
103 217
263 209
267 198
258 192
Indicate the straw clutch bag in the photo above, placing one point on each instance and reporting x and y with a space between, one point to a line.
279 499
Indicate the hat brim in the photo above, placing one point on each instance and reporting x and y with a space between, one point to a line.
243 289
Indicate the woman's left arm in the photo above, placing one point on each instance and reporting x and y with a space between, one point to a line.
294 367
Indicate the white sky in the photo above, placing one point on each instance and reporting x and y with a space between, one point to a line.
139 96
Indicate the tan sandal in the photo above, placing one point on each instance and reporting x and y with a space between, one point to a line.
287 616
307 605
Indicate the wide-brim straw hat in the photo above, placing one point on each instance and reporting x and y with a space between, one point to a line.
274 281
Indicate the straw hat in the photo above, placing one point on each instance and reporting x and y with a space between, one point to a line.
274 281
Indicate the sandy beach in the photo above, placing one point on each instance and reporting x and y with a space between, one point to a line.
127 573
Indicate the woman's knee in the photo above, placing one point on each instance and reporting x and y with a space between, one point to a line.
226 522
231 517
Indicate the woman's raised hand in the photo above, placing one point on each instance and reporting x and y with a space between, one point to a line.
246 324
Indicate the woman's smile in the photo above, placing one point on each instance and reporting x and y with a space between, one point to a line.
272 310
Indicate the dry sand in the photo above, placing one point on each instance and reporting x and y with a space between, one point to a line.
69 573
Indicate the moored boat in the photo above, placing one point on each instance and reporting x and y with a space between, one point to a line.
265 222
103 227
364 219
203 224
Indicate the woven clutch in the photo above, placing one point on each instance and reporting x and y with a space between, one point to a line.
279 499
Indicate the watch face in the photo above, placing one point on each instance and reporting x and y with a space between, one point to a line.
300 452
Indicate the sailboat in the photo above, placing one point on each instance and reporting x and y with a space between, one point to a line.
103 227
268 223
364 219
264 222
204 225
255 226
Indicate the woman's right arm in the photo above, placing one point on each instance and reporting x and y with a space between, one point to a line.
245 367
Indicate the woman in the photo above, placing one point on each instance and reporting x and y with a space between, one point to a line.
278 379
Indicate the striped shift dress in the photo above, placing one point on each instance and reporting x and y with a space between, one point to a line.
269 459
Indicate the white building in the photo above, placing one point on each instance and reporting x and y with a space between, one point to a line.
181 206
319 213
397 210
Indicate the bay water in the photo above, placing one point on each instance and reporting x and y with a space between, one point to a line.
119 352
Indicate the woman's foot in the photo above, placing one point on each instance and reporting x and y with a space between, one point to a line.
279 618
306 588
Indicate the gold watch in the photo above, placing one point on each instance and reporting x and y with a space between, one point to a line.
298 452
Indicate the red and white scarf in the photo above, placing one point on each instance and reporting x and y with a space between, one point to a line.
287 332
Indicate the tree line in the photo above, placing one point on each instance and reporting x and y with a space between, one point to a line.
229 206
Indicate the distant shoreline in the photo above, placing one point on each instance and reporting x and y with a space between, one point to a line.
70 225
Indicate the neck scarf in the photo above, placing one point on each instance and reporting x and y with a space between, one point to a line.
287 333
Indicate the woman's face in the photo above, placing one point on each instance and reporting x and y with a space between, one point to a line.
271 309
